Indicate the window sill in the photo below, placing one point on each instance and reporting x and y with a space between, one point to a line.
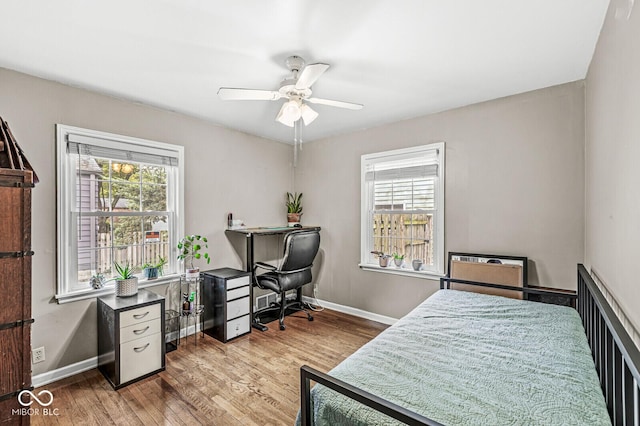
394 270
93 293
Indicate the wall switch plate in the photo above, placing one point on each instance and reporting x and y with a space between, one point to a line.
37 355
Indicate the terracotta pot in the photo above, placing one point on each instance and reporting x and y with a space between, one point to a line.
384 260
293 218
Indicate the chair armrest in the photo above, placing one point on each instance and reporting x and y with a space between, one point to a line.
264 266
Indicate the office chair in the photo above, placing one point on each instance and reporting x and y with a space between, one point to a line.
300 248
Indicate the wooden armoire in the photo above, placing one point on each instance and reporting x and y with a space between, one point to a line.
15 292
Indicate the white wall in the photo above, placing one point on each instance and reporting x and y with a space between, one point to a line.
612 158
226 171
514 186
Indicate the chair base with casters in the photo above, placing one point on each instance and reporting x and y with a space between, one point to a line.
282 310
300 250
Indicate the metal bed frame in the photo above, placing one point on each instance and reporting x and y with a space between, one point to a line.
616 358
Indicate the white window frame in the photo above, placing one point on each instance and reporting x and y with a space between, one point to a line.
366 235
66 169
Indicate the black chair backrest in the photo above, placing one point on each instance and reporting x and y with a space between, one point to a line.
300 248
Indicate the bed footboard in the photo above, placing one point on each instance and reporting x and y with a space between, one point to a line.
307 374
616 357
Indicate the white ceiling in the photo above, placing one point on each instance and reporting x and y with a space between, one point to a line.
400 58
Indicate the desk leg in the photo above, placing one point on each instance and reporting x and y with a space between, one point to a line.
254 321
249 260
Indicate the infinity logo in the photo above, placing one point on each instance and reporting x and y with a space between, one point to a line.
44 404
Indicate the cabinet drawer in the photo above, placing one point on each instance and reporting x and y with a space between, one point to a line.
238 282
137 331
139 357
238 292
139 315
238 326
237 308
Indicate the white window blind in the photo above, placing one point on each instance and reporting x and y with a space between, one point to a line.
402 211
104 148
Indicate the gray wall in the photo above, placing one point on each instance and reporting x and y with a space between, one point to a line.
612 158
514 185
225 171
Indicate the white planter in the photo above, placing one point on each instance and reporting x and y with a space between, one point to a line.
128 287
192 273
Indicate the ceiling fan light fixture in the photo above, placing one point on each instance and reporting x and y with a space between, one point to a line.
308 114
289 113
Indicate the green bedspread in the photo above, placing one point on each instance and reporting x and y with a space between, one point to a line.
472 359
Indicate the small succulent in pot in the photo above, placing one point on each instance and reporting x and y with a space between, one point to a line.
398 259
126 281
97 281
383 259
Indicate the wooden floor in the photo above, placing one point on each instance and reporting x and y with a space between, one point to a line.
253 380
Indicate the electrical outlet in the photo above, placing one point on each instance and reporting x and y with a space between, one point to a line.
37 355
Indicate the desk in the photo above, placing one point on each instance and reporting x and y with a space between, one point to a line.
250 233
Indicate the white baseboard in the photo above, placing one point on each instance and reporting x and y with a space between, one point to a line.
82 366
351 311
64 372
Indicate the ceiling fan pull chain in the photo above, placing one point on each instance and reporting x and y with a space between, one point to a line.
297 140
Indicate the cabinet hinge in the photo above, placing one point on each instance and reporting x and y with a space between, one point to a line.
16 184
4 254
15 393
15 324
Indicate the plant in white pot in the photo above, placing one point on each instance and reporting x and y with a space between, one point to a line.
398 259
189 249
126 282
294 208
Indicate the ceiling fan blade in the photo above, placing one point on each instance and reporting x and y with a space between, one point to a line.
310 74
233 94
339 104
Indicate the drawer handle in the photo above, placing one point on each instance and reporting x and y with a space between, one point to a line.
139 316
141 348
141 331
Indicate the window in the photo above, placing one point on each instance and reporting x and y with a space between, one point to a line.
403 208
120 200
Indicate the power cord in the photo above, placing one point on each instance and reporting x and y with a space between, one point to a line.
316 307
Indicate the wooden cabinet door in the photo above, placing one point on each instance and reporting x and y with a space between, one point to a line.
15 288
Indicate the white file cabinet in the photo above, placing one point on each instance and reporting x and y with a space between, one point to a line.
130 337
227 299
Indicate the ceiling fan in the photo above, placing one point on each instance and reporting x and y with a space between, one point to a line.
297 89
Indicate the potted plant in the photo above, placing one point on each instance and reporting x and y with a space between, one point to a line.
126 282
398 259
97 281
153 270
189 249
383 259
294 208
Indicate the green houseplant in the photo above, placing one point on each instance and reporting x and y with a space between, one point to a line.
153 270
294 208
398 259
126 281
189 249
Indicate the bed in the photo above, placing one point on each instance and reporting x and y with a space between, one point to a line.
462 358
